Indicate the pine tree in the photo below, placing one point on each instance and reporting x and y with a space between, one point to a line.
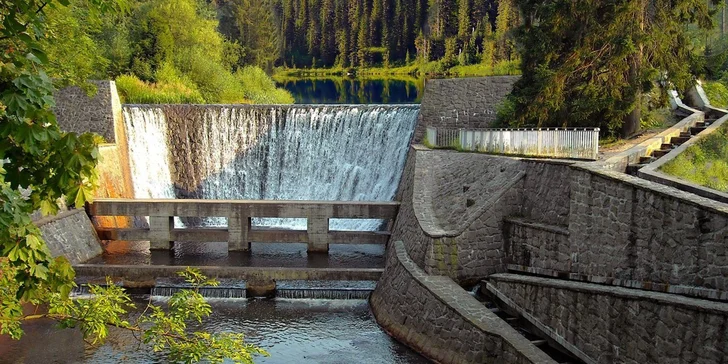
586 64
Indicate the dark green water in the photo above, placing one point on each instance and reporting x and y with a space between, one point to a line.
354 91
292 331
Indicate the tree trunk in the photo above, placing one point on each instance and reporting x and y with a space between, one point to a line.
631 125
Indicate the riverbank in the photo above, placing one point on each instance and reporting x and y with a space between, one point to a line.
414 71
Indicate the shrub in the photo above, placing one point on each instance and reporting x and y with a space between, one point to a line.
135 91
258 87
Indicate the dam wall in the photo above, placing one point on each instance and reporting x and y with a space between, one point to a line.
595 259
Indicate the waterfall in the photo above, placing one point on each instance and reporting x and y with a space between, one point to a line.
278 152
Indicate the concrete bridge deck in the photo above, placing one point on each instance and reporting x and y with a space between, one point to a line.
239 232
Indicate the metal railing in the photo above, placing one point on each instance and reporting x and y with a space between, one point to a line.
574 143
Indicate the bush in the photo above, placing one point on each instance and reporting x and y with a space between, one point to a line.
135 91
259 88
717 93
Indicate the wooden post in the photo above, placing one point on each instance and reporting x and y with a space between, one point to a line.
160 232
238 228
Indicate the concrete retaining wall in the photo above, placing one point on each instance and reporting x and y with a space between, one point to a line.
439 319
619 325
70 234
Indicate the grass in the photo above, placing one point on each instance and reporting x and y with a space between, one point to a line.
704 163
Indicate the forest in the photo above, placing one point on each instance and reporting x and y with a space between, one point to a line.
158 51
366 33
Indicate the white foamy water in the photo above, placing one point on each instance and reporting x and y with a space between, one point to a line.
316 152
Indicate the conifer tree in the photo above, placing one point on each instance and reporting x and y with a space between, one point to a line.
586 63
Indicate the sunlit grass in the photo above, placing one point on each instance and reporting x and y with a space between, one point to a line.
704 163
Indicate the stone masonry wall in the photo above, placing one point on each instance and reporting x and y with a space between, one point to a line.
79 113
621 325
70 234
449 326
102 114
462 102
627 228
452 210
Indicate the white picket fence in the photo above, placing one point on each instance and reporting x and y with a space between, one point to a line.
574 143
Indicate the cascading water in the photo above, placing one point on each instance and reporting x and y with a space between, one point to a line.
301 152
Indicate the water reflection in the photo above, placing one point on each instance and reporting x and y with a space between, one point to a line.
300 331
340 90
260 255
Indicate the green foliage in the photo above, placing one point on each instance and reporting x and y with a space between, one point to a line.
717 93
40 164
705 162
586 64
135 91
260 88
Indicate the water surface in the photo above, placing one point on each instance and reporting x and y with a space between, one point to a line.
292 331
342 90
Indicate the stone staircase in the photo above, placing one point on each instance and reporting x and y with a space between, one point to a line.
521 326
674 143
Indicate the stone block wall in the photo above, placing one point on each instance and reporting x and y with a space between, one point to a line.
462 102
70 234
626 228
452 210
620 325
101 114
537 245
449 326
79 113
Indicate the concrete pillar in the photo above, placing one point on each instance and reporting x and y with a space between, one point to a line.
318 234
238 228
160 232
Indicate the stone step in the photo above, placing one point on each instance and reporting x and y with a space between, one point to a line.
685 134
679 140
646 160
666 146
633 168
696 129
660 153
700 124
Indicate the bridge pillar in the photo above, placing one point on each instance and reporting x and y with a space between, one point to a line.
318 234
238 228
160 232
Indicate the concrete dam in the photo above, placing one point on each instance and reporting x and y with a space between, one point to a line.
488 259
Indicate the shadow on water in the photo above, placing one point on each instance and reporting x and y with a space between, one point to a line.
340 90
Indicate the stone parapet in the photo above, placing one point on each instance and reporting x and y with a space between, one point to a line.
70 234
436 317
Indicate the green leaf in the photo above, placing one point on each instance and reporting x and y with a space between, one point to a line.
48 207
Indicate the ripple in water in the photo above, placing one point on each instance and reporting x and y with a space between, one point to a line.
300 331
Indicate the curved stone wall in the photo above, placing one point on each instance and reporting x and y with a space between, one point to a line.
453 205
450 326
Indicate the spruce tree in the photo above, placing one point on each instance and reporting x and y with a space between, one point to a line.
586 63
